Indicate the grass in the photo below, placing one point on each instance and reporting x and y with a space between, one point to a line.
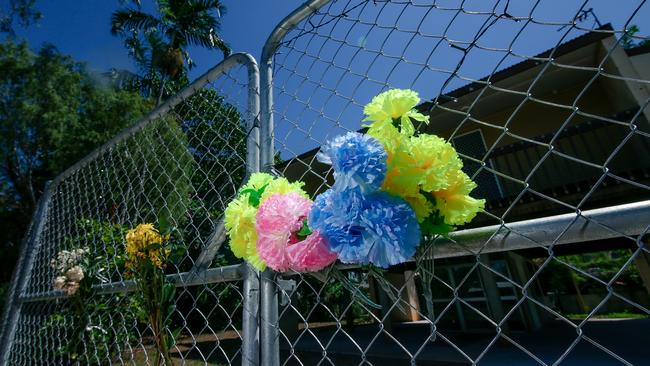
619 315
140 359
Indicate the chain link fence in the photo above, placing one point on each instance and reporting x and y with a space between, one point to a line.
547 105
178 166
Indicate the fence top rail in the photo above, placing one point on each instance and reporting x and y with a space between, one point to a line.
286 25
621 221
230 273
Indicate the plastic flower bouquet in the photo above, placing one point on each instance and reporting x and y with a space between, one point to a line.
393 187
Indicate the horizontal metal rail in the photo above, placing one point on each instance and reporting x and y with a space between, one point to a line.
602 223
186 279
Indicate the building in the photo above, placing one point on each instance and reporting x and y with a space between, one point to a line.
594 113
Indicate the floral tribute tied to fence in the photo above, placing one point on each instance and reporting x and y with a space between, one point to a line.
399 182
391 187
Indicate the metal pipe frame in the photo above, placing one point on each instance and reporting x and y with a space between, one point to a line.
186 279
270 346
20 276
626 220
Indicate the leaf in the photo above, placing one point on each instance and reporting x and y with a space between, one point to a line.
432 228
254 195
153 246
170 312
168 292
304 231
165 228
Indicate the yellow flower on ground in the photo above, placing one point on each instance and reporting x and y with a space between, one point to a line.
239 217
395 105
454 202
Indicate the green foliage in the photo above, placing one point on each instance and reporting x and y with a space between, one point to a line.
22 12
160 166
628 41
603 265
159 42
216 138
52 113
616 315
85 318
345 298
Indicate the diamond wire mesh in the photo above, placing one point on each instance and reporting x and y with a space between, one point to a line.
181 167
548 109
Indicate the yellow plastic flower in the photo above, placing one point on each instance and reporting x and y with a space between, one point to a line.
454 202
388 135
239 221
435 157
282 186
421 205
239 217
257 181
395 105
140 245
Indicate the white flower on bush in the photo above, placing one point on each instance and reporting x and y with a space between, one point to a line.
59 282
75 274
67 270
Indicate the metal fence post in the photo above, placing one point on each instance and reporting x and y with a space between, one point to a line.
270 346
250 321
19 280
31 284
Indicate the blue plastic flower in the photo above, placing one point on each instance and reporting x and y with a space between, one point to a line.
375 228
392 232
337 215
357 159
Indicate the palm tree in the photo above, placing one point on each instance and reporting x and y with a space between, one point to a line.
158 42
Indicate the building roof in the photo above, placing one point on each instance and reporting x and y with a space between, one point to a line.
595 35
639 50
563 49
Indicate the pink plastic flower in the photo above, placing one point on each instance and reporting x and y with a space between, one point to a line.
278 222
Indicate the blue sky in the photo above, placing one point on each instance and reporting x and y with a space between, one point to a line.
81 28
323 78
